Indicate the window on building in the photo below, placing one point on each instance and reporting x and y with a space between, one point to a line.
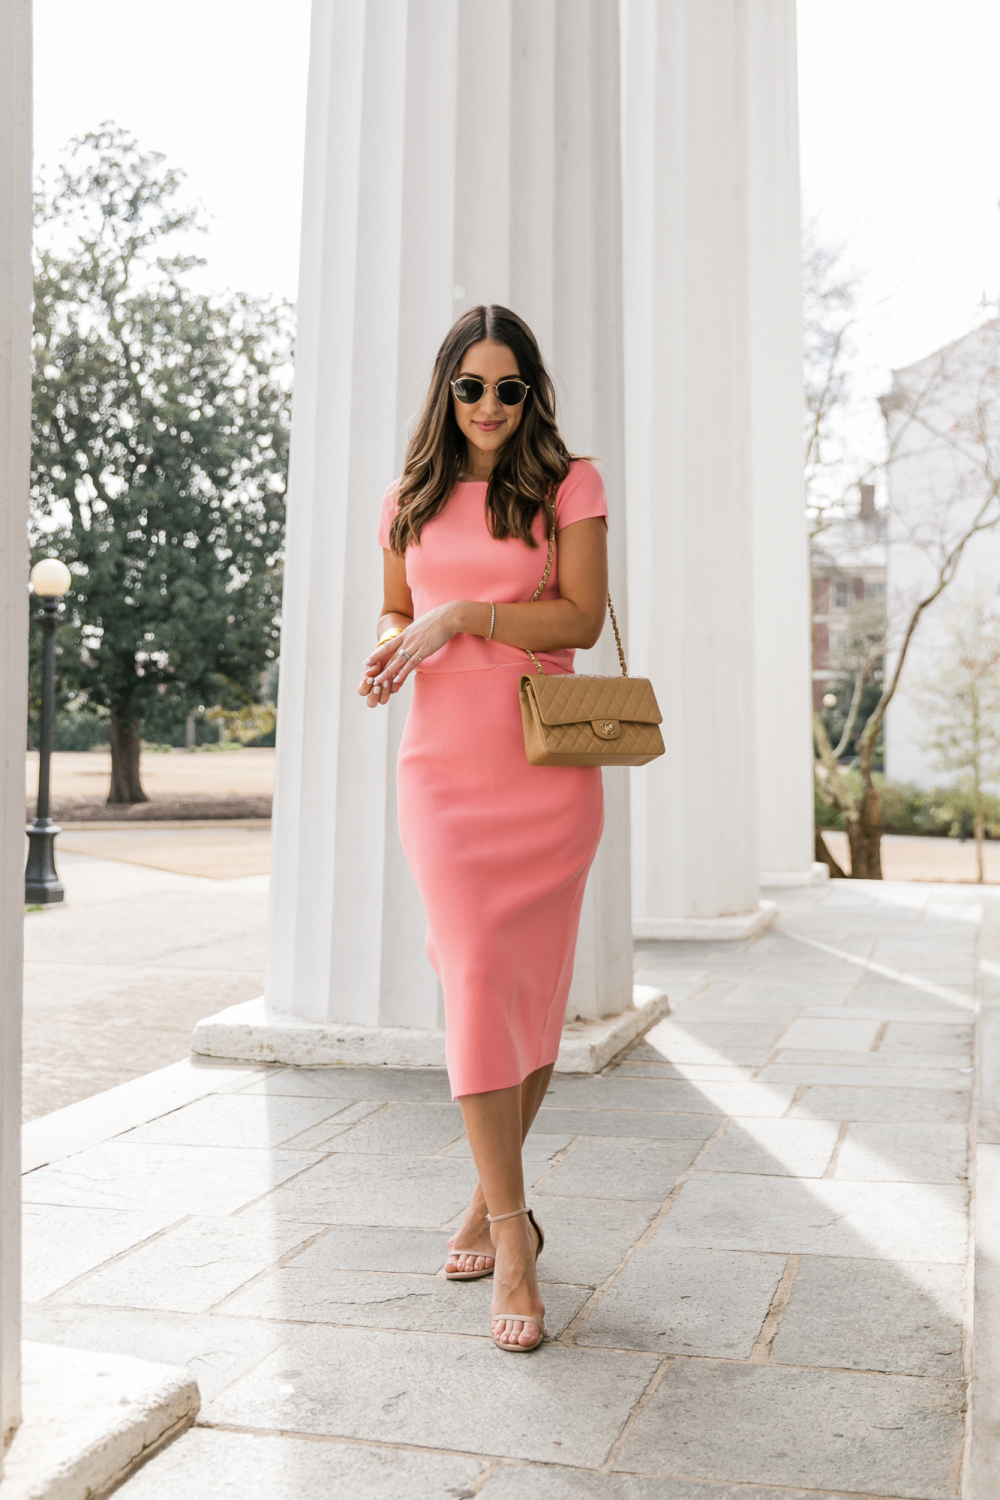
875 591
841 595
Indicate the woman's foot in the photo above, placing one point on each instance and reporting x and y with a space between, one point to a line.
476 1255
518 1314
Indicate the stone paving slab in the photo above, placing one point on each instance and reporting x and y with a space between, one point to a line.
236 1120
668 1096
883 1105
59 1243
403 1085
869 1315
686 1302
587 1239
633 1123
360 1248
441 1392
904 1153
379 1299
215 1350
192 1267
404 1130
899 1221
207 1465
753 1273
516 1482
868 1075
420 1192
638 1168
784 1148
820 1429
168 1179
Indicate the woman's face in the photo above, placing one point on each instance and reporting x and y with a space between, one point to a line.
487 425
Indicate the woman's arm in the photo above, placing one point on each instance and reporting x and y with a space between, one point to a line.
575 619
397 601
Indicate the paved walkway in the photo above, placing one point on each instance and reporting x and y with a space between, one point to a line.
115 978
757 1242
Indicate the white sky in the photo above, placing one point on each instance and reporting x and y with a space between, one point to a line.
900 141
218 86
900 124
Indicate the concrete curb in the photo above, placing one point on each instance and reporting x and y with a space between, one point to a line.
89 1420
66 1131
982 1468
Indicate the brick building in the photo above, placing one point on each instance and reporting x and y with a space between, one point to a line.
848 570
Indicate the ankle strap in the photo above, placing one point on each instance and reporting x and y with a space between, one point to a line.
514 1214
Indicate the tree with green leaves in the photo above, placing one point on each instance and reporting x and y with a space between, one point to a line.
160 450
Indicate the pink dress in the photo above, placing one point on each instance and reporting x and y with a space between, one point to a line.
499 849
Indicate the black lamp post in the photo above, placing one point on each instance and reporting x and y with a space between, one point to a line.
50 579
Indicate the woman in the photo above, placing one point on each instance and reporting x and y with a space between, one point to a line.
499 849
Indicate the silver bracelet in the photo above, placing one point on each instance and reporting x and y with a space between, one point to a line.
493 619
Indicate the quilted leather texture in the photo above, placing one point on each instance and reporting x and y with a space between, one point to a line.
570 699
558 725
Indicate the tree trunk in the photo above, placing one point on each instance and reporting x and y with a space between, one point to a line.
865 837
125 751
823 856
979 845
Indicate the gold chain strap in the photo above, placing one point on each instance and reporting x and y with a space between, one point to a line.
618 639
541 587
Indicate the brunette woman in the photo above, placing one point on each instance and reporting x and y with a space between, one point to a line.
499 849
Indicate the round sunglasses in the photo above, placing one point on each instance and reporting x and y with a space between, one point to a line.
469 389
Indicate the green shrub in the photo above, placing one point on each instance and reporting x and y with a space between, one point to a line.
944 812
951 811
80 729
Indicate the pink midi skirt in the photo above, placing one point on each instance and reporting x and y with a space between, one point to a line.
500 851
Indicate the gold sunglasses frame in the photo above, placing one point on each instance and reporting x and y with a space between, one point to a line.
487 386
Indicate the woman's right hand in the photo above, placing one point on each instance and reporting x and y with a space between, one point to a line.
390 664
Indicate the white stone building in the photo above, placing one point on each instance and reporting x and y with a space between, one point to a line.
943 427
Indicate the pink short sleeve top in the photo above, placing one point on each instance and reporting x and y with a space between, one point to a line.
457 558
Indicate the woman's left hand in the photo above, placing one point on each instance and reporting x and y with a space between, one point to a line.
389 665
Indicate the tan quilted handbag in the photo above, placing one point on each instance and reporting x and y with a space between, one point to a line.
588 721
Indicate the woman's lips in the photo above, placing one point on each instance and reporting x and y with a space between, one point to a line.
487 426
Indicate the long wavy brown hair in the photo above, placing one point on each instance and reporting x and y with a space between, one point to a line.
532 463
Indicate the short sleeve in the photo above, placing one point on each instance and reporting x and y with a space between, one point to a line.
387 513
580 497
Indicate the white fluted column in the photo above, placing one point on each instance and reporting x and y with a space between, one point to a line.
458 151
15 441
782 625
690 462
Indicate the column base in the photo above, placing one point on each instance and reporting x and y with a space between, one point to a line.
817 874
251 1033
706 929
90 1419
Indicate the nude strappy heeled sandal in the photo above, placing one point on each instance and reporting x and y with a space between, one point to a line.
521 1318
470 1275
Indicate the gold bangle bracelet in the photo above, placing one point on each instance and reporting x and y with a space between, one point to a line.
390 635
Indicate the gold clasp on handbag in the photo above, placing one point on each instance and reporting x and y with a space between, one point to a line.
608 729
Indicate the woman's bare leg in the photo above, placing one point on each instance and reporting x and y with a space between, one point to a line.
474 1232
493 1125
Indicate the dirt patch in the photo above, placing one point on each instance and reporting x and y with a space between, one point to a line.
157 810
